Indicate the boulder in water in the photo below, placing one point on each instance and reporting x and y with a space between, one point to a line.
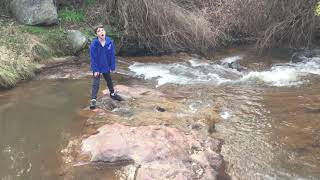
301 55
34 12
233 63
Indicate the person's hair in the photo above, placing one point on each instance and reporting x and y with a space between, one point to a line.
97 27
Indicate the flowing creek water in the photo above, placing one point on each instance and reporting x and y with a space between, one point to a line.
270 113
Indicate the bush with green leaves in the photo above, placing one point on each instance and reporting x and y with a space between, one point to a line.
71 15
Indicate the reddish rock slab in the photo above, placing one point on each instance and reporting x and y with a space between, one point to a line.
158 152
134 92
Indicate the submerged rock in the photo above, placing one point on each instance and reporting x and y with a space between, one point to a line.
160 109
233 63
301 55
159 152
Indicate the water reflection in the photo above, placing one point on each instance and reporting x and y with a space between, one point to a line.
34 121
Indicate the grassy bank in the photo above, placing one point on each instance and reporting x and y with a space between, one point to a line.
14 68
23 47
15 65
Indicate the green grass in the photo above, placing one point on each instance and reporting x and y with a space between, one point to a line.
41 52
53 41
14 70
56 39
317 9
71 15
89 2
34 29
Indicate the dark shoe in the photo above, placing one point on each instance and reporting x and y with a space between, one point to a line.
115 96
93 104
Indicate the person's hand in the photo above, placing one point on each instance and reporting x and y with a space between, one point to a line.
96 74
113 71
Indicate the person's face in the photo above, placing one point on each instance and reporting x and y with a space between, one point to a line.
101 33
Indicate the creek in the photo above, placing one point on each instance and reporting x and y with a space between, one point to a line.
269 113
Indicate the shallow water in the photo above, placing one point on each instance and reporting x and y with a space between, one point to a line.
271 133
270 114
35 122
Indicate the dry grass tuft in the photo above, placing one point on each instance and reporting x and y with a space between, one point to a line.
200 25
14 68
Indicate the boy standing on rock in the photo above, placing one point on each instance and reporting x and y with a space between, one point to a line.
103 61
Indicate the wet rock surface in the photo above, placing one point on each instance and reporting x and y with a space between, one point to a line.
151 135
69 67
233 63
159 151
301 56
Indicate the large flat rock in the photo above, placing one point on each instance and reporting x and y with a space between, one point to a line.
158 152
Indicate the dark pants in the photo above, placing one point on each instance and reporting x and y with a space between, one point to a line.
96 84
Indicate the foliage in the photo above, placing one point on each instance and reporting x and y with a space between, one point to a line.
71 15
201 25
89 2
112 32
57 41
317 9
40 52
14 68
34 29
161 25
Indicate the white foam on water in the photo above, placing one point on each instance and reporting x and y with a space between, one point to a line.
275 77
225 115
178 73
196 62
198 71
160 72
231 59
289 74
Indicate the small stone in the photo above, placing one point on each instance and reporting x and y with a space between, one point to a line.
160 109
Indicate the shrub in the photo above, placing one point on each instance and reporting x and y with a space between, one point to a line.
89 2
199 25
317 9
71 15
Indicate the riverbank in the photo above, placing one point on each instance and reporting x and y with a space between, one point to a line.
192 26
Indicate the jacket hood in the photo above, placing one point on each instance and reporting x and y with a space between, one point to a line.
96 41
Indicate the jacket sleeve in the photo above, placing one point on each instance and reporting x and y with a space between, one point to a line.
93 58
113 58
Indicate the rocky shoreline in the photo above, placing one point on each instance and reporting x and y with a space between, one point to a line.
150 134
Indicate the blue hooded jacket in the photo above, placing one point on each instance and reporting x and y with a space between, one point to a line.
102 57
